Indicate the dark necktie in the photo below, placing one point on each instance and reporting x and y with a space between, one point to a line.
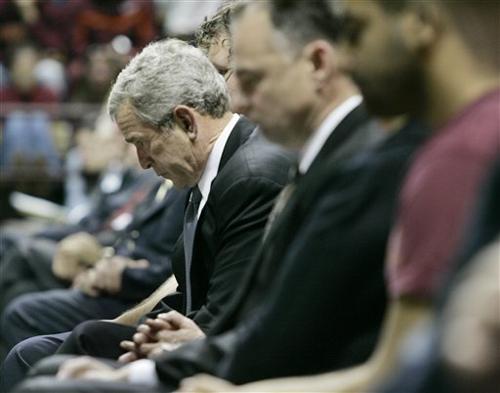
190 221
282 200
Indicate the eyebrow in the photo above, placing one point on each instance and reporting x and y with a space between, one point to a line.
131 139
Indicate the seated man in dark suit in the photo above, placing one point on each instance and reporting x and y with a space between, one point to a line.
196 141
132 269
26 260
314 297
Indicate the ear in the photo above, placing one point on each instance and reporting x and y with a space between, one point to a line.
185 118
320 56
421 25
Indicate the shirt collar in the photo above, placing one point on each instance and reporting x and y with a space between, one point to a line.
318 138
212 166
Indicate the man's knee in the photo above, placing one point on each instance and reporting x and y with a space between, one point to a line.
97 338
17 319
23 356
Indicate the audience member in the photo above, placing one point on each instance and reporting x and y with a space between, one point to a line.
103 283
103 21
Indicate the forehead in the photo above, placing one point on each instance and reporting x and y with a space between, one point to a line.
129 124
253 34
219 48
363 9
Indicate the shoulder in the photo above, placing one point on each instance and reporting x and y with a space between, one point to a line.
257 159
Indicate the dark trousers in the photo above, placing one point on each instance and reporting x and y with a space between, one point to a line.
54 311
23 357
26 266
94 338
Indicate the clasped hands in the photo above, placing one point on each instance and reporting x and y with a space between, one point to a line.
165 333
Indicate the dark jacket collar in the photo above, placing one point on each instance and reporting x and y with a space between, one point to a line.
341 134
241 132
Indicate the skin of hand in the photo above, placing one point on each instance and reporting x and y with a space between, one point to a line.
88 368
203 383
165 333
85 283
108 277
74 254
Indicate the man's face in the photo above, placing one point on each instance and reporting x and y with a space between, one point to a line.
380 60
277 88
169 152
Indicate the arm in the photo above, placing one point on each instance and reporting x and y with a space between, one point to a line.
132 316
403 315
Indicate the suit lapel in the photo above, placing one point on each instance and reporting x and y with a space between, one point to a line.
241 132
239 135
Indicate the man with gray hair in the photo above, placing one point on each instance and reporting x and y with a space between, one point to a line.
171 103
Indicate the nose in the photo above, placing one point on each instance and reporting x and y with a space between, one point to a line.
144 159
239 101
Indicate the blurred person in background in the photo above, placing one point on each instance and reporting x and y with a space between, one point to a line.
27 145
214 38
180 19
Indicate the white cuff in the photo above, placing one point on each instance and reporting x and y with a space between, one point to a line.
143 372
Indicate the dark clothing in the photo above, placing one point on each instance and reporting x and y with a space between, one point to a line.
151 235
330 236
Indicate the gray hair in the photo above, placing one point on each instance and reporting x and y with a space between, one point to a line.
165 74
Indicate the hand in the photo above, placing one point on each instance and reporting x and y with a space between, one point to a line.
204 383
74 254
144 340
85 282
165 333
109 272
182 329
88 368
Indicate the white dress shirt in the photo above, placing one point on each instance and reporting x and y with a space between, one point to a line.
318 138
213 162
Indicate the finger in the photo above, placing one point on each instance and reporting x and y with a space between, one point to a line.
146 348
74 367
128 357
175 318
139 264
144 329
158 325
140 338
127 345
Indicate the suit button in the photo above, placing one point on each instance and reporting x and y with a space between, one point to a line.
134 234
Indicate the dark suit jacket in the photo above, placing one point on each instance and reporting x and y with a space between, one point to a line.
315 298
251 174
151 235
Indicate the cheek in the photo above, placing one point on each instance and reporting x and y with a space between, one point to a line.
158 152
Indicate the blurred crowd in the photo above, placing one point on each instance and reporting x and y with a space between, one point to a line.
58 59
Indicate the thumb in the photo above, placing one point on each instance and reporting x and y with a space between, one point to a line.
139 264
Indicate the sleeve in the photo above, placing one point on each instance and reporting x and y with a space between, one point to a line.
244 208
157 245
435 209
